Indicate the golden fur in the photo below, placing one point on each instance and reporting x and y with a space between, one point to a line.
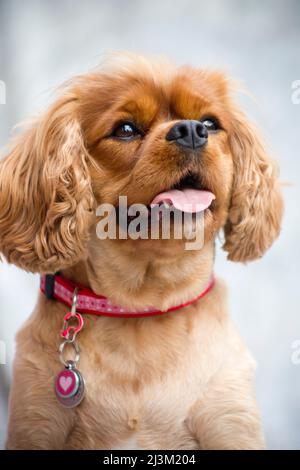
179 381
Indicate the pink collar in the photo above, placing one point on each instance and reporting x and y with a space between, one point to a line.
59 288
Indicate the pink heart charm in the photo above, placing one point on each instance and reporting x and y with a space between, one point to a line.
69 386
66 383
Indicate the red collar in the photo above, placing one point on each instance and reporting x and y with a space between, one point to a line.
59 288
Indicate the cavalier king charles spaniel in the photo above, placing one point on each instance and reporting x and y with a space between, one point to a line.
180 376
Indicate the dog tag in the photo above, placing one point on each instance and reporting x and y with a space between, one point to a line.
69 386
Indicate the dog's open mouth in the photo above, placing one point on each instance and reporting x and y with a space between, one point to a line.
187 196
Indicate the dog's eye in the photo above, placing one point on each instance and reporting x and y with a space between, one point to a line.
126 131
211 124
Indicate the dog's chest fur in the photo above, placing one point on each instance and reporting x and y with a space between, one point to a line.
143 387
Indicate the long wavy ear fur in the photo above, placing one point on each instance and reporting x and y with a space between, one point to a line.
256 205
46 201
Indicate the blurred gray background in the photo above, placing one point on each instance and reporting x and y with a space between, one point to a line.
43 43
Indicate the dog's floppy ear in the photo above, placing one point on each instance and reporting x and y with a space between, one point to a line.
256 204
46 201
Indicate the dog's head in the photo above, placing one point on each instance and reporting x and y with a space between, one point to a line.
147 131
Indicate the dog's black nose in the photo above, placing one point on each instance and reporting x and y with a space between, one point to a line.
189 133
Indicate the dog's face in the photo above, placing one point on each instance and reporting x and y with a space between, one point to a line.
159 132
152 133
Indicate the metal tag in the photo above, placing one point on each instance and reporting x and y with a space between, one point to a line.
69 386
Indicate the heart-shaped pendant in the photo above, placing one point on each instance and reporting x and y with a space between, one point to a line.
69 386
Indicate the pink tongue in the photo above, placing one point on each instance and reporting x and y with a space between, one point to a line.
186 200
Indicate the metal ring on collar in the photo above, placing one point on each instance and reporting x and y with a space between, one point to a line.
76 350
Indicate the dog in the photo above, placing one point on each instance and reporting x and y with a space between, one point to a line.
179 377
